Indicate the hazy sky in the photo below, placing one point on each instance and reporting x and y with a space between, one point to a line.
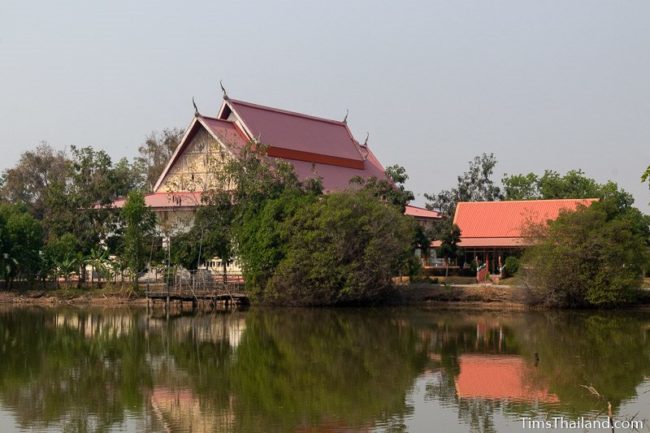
556 84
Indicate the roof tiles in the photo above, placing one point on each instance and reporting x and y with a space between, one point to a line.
503 223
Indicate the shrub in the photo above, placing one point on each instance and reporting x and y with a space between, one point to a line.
594 256
511 266
342 249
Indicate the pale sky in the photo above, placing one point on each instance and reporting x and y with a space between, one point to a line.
555 84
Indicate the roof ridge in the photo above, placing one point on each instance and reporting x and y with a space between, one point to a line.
288 112
531 200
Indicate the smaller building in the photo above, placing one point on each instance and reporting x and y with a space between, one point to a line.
425 217
494 230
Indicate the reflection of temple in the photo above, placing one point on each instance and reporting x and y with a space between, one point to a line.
181 410
90 325
499 377
207 329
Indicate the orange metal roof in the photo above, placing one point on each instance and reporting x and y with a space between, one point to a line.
502 223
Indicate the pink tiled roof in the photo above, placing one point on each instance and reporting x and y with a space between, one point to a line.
420 212
316 147
297 132
502 223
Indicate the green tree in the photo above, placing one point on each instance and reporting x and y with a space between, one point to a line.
391 189
594 256
449 249
262 237
21 241
139 223
211 234
61 256
339 251
29 181
553 185
521 187
476 184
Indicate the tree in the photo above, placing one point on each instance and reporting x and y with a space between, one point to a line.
594 256
21 240
476 184
391 189
139 223
449 246
646 176
552 185
338 251
156 151
61 257
28 182
521 187
211 234
81 204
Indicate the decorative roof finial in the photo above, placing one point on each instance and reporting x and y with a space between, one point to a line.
196 109
365 142
223 89
345 119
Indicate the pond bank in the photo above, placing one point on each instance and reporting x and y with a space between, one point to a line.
472 296
95 297
461 296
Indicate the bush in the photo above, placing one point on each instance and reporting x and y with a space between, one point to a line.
342 249
594 256
511 267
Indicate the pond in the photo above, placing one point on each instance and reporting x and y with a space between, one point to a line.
352 370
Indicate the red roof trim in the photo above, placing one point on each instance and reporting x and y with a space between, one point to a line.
278 152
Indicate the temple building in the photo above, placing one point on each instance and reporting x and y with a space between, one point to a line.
494 230
317 148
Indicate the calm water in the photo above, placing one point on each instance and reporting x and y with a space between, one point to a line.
404 370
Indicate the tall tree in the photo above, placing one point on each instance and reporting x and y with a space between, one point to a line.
476 184
156 152
29 181
21 240
449 249
573 184
550 185
139 223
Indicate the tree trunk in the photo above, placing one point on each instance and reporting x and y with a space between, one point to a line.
225 274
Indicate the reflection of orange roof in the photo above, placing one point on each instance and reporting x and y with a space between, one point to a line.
502 223
499 378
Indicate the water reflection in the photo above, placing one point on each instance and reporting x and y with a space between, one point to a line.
315 370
